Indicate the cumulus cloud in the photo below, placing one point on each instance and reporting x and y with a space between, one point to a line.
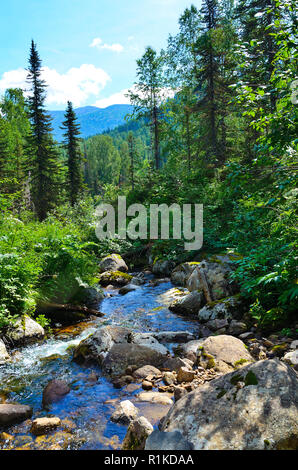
98 43
116 98
121 98
76 85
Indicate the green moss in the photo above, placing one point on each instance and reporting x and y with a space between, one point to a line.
236 378
210 362
192 263
240 362
250 379
221 393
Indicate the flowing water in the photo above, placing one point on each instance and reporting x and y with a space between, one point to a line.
92 398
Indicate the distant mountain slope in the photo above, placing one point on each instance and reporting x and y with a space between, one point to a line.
93 120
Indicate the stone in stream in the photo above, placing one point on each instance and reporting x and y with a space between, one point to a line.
146 370
13 413
147 339
155 397
260 415
113 262
25 330
115 278
137 433
128 288
185 375
54 391
163 267
189 304
121 356
159 440
125 412
173 336
41 426
4 356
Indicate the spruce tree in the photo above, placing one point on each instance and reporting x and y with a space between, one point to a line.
72 145
4 154
42 163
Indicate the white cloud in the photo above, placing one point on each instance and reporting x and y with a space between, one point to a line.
97 42
120 98
76 85
116 98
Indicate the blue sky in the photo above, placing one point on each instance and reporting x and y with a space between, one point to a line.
88 47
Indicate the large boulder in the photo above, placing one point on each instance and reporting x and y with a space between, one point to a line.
229 308
213 278
12 413
224 353
182 272
128 288
190 304
159 440
123 355
114 278
163 267
4 356
137 433
190 349
25 330
90 296
97 345
113 262
251 409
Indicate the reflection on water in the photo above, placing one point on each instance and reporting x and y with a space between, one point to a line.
92 398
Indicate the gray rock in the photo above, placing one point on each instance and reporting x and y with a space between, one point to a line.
97 345
121 356
174 363
25 331
155 397
190 349
125 412
11 414
173 336
163 267
217 277
182 272
292 358
217 324
222 416
4 356
114 278
148 340
227 309
223 353
237 327
190 304
159 440
128 288
113 262
137 433
184 374
144 371
41 426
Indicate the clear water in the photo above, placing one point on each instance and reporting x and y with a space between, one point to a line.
90 403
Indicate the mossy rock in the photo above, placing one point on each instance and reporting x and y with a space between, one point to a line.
115 278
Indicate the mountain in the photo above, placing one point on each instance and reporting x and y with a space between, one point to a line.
93 120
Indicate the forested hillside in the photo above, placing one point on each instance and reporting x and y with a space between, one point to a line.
92 120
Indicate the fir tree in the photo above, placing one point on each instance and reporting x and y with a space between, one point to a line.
42 163
72 145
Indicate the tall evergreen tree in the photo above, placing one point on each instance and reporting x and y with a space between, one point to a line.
4 154
147 97
72 145
42 161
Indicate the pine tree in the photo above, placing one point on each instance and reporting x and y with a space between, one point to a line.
42 163
72 145
4 154
147 97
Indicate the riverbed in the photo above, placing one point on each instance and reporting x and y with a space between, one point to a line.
93 397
